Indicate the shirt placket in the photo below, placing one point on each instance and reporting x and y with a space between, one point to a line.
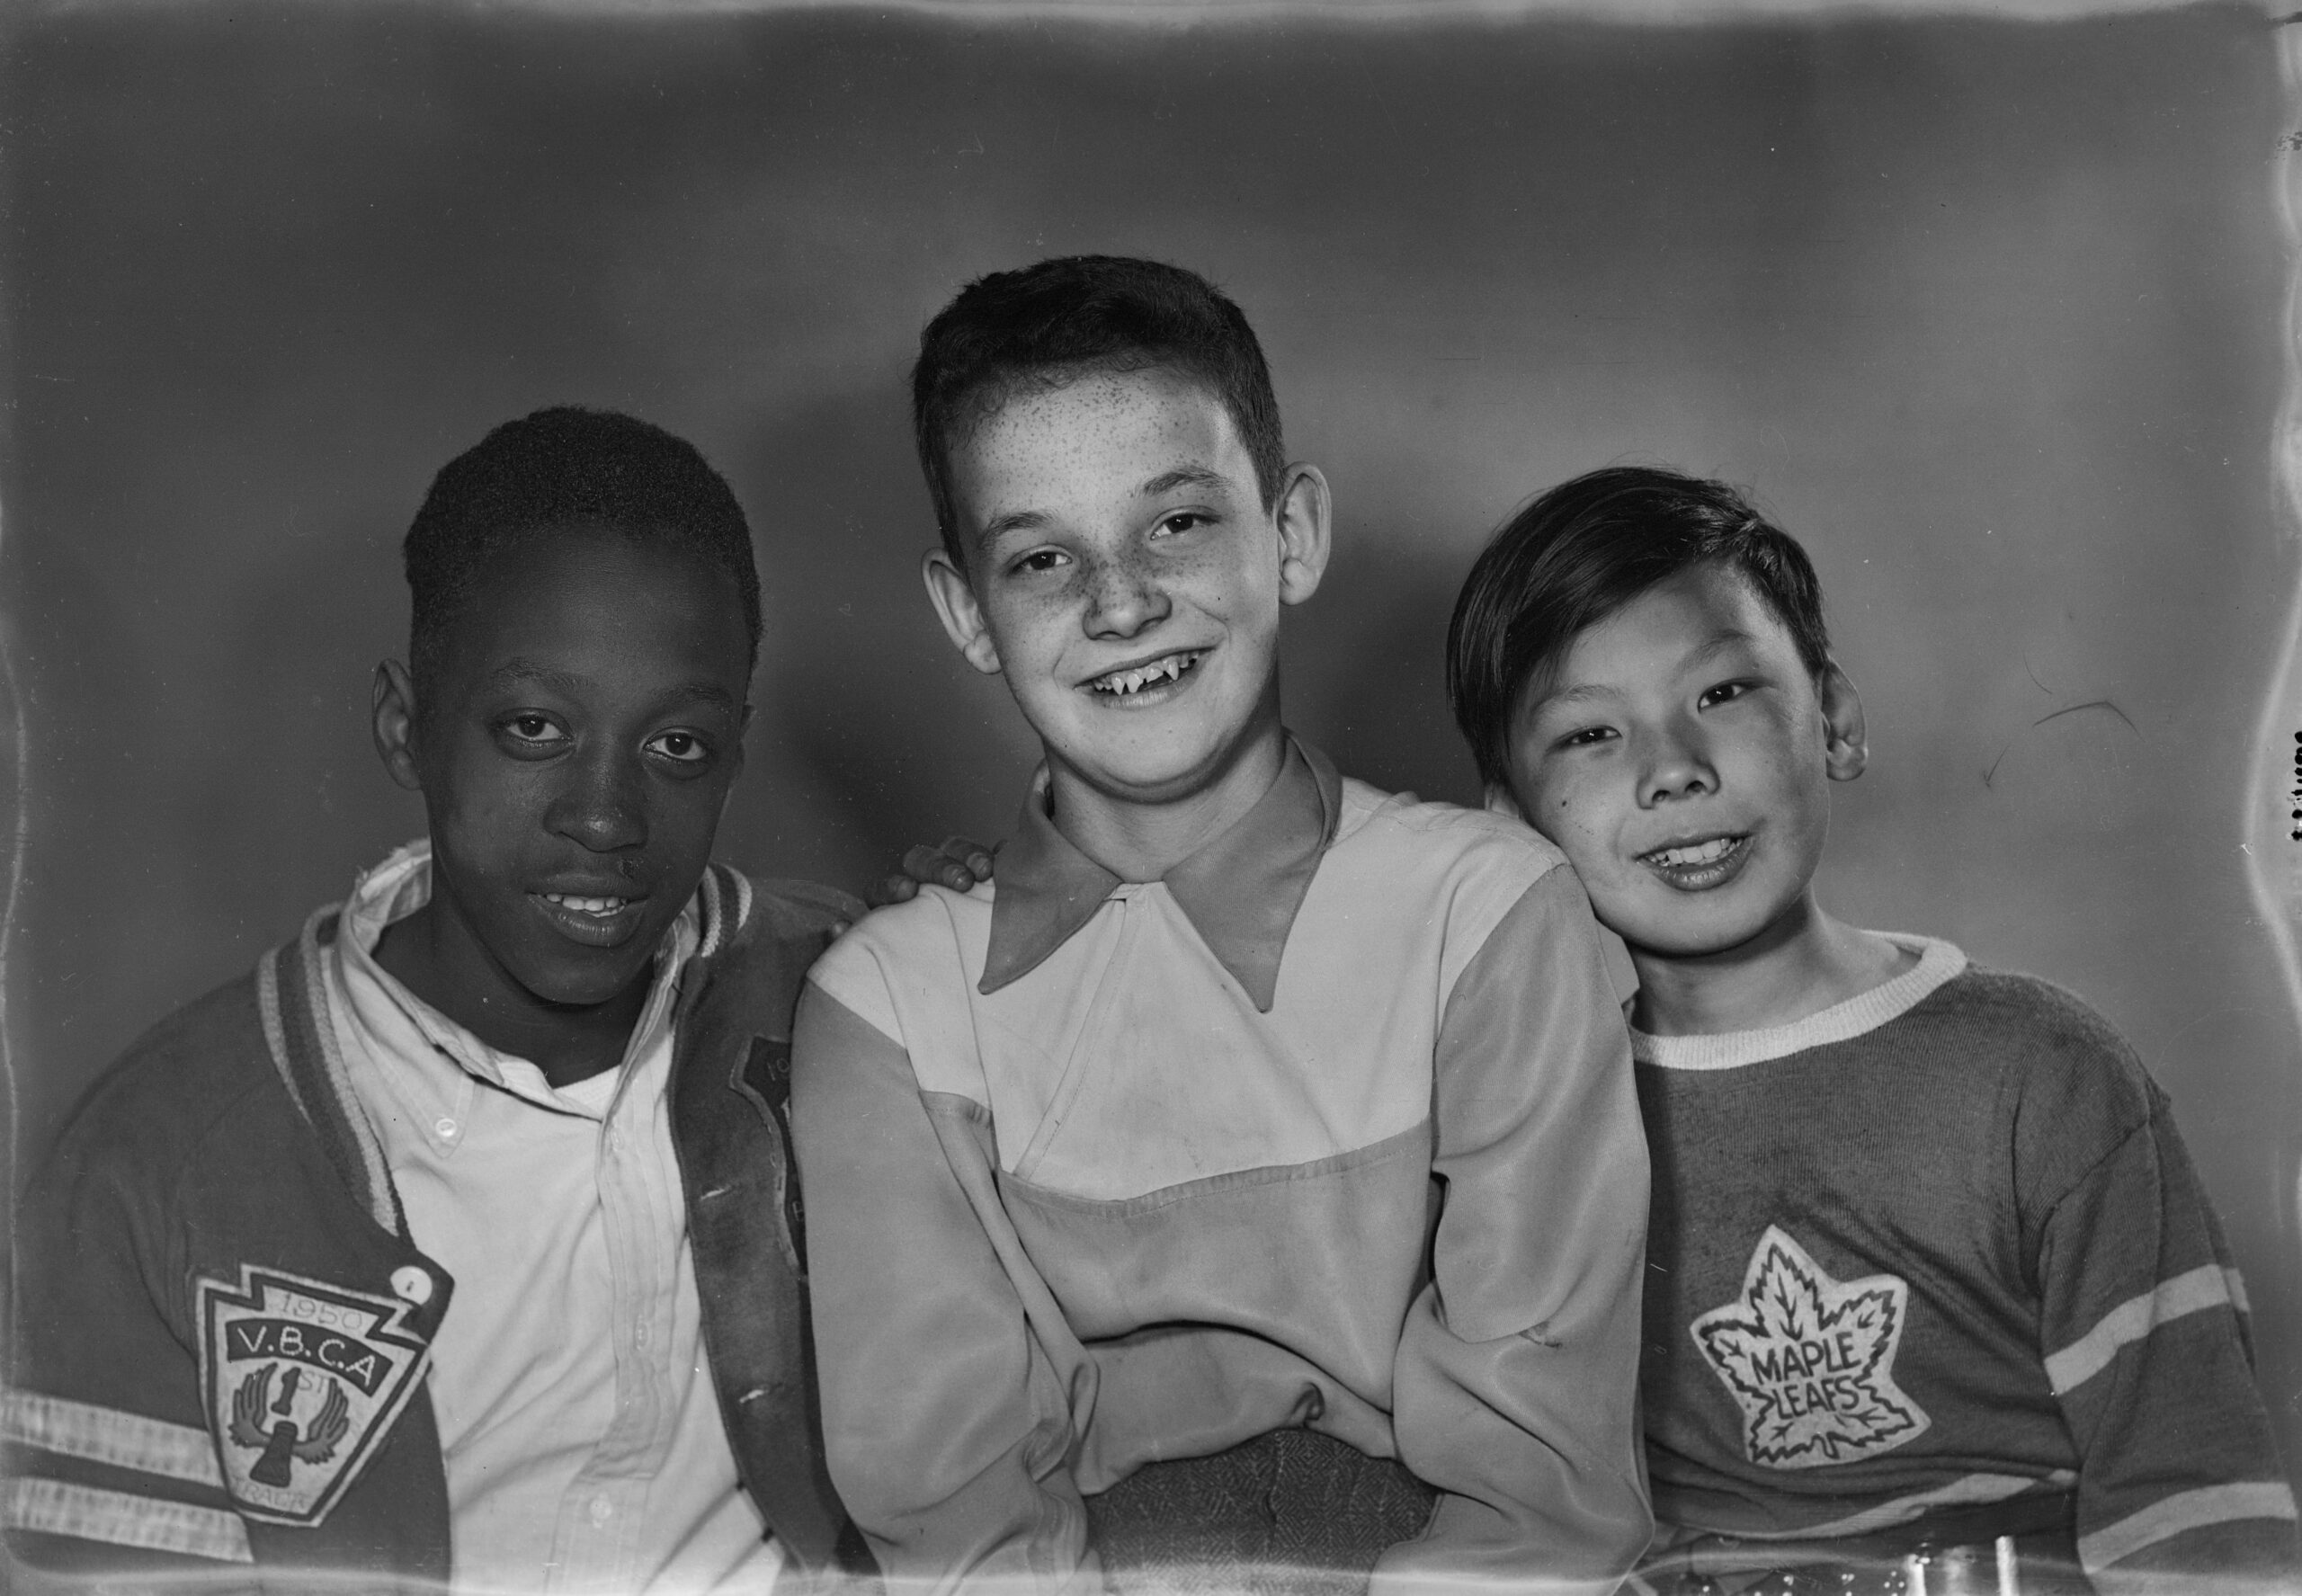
603 1513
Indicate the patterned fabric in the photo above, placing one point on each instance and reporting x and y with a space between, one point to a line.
1290 1513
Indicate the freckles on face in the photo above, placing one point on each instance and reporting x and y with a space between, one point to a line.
1126 571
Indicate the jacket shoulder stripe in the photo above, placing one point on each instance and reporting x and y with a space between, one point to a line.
85 1512
726 901
107 1435
2209 1286
275 1033
383 1202
2185 1510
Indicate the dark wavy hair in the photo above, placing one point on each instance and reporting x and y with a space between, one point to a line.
1044 325
553 469
1583 550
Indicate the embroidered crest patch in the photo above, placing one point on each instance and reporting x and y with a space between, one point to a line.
302 1379
1810 1360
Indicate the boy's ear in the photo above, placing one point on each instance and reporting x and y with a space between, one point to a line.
1303 517
955 607
392 720
1846 746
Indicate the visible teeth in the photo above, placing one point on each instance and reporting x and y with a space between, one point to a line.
1709 853
586 906
1137 678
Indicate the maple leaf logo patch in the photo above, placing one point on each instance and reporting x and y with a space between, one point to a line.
1810 1360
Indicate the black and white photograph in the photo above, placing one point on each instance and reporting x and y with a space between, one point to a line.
1031 797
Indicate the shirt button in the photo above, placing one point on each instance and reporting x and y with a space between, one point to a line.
411 1284
639 1337
603 1510
447 1129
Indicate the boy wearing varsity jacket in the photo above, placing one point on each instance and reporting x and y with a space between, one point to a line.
1930 1276
457 1245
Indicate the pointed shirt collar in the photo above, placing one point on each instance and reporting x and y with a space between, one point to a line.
1240 891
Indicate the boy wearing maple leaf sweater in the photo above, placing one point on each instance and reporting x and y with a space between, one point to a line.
1930 1273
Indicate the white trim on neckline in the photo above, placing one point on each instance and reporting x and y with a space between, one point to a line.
1937 962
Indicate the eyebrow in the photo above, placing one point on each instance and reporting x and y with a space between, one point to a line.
517 672
1014 521
1022 521
1181 476
1717 643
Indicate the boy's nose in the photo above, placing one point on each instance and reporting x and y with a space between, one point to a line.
1122 600
600 809
1676 767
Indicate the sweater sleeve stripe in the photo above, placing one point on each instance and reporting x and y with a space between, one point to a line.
85 1512
2169 1516
2209 1286
107 1435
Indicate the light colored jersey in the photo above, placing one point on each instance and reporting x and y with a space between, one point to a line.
1099 1172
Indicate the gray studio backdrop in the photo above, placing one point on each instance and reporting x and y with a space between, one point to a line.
1988 313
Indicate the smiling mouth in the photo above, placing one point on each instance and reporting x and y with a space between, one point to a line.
1135 681
602 922
1697 867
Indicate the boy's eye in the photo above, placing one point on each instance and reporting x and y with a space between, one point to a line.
533 732
1041 559
1589 737
1724 692
1182 521
680 747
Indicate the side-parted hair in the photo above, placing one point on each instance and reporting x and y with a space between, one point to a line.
553 469
1045 325
1583 550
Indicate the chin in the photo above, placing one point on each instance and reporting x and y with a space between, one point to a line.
585 983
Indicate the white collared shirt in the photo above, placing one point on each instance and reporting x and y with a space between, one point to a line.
578 1423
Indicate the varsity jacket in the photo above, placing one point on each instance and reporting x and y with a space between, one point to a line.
219 1208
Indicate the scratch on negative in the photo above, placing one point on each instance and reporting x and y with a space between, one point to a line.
1994 764
2089 704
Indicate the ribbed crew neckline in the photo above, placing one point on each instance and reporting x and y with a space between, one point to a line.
1937 962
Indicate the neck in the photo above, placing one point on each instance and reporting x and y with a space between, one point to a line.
430 953
1800 965
1141 841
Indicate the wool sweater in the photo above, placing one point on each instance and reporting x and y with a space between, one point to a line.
1935 1248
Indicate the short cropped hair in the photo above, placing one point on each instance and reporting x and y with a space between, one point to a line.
552 470
1045 325
1583 550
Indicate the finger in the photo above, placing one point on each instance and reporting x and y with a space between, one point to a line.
970 852
923 863
894 889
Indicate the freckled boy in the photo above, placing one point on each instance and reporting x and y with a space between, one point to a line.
1257 1132
456 1246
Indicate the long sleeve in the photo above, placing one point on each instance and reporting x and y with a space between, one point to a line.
1517 1375
2142 1329
111 1469
948 1419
